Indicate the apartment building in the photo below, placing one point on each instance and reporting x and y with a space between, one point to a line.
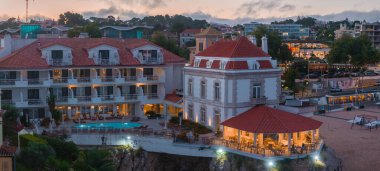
89 76
286 31
372 30
228 78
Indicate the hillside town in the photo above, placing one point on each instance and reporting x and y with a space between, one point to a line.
172 92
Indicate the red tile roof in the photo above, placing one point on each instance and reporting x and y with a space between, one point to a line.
191 31
29 57
236 65
203 63
265 64
263 119
215 64
240 48
173 98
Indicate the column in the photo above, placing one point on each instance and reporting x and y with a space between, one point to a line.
313 136
289 140
69 112
238 136
92 111
166 115
115 109
254 139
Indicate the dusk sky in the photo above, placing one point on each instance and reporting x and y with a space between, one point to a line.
217 10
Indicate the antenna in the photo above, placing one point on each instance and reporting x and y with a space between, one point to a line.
27 10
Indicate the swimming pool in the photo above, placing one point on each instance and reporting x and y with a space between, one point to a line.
105 125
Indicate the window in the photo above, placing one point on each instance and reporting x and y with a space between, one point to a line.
148 71
208 64
104 54
33 94
33 75
203 114
190 112
222 65
190 87
57 54
200 46
203 89
6 95
255 67
196 63
217 91
11 75
256 91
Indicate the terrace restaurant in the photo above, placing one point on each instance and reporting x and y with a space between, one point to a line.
271 132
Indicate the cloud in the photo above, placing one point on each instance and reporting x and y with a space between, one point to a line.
287 7
114 11
251 8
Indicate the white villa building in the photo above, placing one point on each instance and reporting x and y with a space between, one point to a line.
89 76
229 78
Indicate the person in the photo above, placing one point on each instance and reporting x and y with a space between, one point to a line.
303 148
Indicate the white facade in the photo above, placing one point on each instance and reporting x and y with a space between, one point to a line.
228 92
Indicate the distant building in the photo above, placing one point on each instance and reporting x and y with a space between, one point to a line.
228 78
204 39
224 28
344 30
55 32
307 49
286 31
188 35
372 30
123 32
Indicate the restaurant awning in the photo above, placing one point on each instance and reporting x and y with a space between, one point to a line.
264 119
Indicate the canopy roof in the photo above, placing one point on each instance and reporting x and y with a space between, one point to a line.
264 119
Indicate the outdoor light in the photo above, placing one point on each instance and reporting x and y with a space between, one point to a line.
270 163
316 157
220 151
128 137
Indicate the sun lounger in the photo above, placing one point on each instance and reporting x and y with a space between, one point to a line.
356 120
372 124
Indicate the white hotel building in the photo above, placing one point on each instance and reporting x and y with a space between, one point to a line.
89 76
229 78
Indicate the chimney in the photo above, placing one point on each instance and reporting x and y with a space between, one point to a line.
264 44
253 39
6 45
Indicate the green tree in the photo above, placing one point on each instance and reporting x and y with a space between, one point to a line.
10 118
93 31
75 32
170 45
290 78
276 49
10 23
36 156
71 19
356 51
94 160
56 114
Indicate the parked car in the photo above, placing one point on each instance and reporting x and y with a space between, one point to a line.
355 74
334 90
370 73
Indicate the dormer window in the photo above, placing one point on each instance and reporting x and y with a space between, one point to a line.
57 54
104 57
255 66
196 63
222 65
149 55
208 64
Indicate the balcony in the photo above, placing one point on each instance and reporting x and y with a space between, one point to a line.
107 79
59 62
152 77
7 82
150 60
107 98
35 102
259 101
60 100
35 82
130 78
152 96
84 79
130 97
119 80
59 80
83 98
107 62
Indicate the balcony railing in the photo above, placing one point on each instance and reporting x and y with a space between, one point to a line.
83 98
259 101
152 96
35 82
59 80
107 79
151 77
8 102
106 62
7 81
58 62
34 102
84 79
130 78
130 96
107 97
61 99
147 59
